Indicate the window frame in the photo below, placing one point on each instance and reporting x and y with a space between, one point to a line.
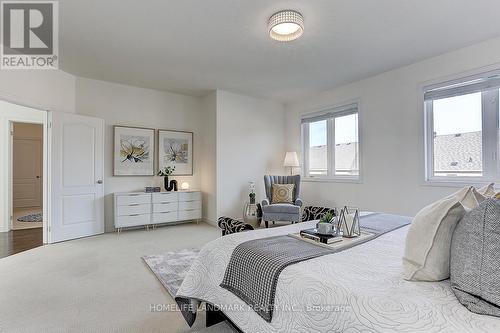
490 131
329 114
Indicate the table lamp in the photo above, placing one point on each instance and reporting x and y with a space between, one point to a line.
291 160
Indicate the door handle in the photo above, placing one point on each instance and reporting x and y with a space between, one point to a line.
99 181
37 177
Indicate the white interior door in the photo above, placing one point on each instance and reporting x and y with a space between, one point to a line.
27 173
76 164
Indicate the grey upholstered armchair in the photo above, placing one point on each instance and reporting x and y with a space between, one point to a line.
281 211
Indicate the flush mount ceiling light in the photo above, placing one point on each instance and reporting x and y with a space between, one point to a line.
286 25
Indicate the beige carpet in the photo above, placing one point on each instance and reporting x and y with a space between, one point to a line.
96 284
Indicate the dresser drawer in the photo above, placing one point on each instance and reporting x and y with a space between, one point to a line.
133 199
133 209
132 220
165 207
164 217
165 197
190 196
189 205
190 214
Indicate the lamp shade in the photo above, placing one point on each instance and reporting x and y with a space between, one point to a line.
291 159
286 25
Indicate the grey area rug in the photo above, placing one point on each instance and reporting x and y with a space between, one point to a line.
37 217
171 267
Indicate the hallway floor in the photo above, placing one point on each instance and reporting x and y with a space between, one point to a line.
16 241
18 212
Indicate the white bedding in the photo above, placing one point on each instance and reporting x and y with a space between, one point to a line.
357 290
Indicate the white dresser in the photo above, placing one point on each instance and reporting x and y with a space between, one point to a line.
144 209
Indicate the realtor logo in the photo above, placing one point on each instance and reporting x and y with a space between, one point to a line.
29 35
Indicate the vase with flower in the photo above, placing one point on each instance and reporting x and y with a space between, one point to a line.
251 213
165 172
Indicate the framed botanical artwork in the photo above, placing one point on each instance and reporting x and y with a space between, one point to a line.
134 150
175 149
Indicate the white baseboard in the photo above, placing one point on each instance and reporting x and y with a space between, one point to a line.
207 220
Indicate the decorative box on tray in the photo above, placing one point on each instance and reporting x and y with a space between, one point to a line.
313 234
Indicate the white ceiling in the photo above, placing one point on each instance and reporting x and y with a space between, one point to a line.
192 46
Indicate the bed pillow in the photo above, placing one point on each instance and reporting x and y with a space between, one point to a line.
472 198
428 242
479 197
475 259
488 191
283 193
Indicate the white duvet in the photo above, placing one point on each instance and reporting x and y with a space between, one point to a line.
358 290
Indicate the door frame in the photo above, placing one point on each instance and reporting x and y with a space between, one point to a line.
8 120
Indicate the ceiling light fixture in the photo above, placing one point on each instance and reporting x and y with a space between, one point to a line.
286 25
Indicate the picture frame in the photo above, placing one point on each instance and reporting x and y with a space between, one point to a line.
133 151
175 148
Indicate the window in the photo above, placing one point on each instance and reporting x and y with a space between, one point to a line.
462 125
318 157
346 145
331 143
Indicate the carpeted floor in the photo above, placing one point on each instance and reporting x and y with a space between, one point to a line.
97 284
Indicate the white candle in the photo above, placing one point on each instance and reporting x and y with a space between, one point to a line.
349 221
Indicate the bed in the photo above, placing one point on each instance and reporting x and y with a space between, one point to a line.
357 290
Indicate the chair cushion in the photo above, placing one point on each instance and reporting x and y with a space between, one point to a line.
282 193
281 208
475 259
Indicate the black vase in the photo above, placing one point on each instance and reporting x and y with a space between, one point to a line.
173 185
169 186
165 183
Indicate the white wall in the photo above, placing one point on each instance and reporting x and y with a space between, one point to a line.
250 144
208 157
44 89
391 120
131 106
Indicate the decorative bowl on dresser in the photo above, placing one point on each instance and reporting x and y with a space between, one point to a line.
149 209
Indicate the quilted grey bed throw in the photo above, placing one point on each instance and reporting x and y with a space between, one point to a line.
254 268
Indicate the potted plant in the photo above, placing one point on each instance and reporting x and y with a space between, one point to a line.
252 197
165 172
326 224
